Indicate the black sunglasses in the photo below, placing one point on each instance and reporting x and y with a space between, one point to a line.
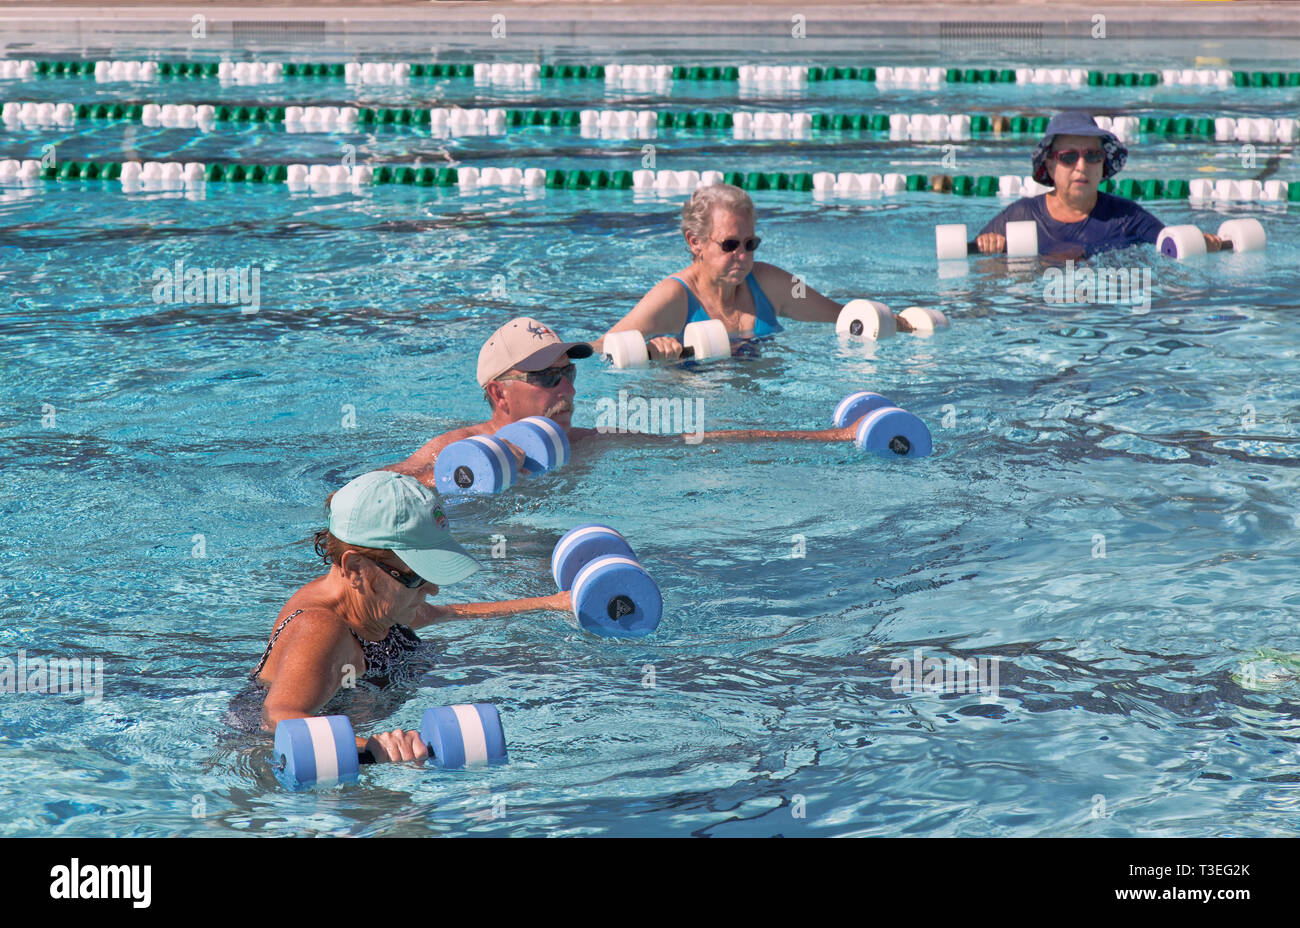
412 580
731 244
549 377
1070 156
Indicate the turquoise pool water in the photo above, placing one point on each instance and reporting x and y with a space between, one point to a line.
1121 709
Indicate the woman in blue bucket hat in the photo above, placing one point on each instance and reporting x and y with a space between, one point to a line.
1074 219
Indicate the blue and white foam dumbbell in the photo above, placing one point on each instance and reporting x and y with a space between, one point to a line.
581 544
886 430
323 751
1183 242
612 593
478 464
856 405
543 442
318 751
701 341
464 736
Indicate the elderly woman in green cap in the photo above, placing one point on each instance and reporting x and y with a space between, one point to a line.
388 548
1075 219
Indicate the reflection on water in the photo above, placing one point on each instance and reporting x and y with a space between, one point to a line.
1109 513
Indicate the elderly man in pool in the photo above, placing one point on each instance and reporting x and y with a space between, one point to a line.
525 369
724 282
1074 218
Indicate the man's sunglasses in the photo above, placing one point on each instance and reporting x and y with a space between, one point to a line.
731 244
412 580
547 378
1070 156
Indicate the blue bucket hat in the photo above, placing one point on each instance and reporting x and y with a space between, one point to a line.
1078 124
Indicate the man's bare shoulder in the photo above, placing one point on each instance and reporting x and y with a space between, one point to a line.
427 455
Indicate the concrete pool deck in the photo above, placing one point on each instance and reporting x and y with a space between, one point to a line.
81 23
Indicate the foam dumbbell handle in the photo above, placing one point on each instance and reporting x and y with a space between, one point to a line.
1242 235
582 544
1180 242
467 735
892 431
542 440
701 341
856 405
1021 236
478 464
866 319
613 596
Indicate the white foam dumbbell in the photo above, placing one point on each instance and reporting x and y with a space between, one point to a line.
700 341
950 241
866 319
923 320
1180 242
1022 239
1242 235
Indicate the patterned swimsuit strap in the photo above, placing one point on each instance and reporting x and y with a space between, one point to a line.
270 644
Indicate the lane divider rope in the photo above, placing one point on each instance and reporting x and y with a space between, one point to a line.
175 174
643 123
255 72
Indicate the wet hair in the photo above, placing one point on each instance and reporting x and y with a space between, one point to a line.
331 549
697 212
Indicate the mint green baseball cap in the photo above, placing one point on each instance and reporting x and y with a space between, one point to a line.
383 509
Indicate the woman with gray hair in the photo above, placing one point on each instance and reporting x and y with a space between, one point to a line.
723 281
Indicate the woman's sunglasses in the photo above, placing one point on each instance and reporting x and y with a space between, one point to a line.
731 244
549 377
1070 156
412 580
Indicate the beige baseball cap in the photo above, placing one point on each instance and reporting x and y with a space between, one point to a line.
525 344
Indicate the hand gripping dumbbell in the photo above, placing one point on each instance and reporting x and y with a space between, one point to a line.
483 463
886 430
612 594
323 751
700 340
869 319
1022 240
1182 242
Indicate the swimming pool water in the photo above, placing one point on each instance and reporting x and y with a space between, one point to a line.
1170 433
